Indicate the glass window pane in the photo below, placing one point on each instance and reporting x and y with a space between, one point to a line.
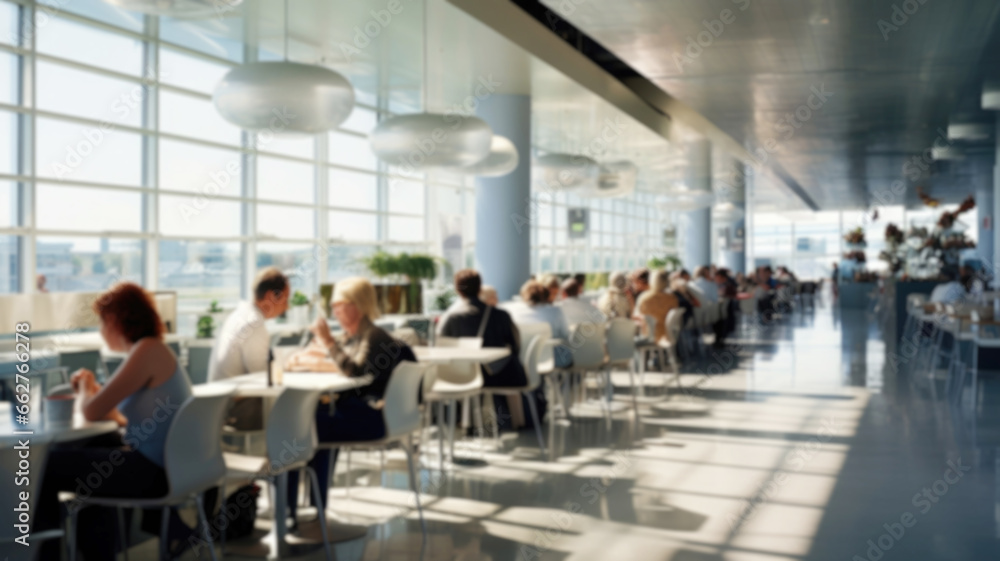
353 190
8 78
405 229
196 118
8 23
406 197
99 10
345 261
81 43
352 226
94 96
360 120
77 152
8 142
351 151
200 169
87 264
8 204
73 209
193 73
297 146
284 180
199 216
199 272
297 261
217 36
285 222
9 258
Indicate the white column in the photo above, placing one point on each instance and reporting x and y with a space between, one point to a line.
695 226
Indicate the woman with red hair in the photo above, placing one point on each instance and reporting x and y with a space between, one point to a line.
142 395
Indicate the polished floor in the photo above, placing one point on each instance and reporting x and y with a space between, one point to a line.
807 440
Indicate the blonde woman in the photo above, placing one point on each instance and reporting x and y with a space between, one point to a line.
362 349
657 302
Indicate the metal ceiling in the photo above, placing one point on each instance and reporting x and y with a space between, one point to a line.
891 73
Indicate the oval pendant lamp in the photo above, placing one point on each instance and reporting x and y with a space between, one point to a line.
726 213
284 97
502 159
616 179
177 8
567 171
420 141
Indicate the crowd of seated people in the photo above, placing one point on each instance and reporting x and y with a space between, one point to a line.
151 373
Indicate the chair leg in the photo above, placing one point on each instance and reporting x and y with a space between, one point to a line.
206 534
441 422
452 418
122 533
164 527
73 522
414 485
321 511
347 485
537 422
494 420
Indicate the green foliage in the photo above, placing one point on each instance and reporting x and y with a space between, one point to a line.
668 262
596 281
415 267
445 299
206 326
299 299
214 307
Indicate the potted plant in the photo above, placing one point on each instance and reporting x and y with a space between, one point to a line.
206 327
298 309
408 270
669 262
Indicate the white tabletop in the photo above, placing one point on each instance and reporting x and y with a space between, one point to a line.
255 384
79 429
441 355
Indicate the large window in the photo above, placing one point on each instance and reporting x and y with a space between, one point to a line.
135 175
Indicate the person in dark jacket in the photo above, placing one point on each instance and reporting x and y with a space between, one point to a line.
465 319
364 349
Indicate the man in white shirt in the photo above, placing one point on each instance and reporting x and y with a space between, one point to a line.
576 310
704 284
243 343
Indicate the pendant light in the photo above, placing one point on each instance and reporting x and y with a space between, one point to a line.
502 159
567 171
419 141
616 179
284 97
178 8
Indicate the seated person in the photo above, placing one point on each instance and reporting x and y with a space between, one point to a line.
142 395
488 295
656 302
687 298
949 292
551 283
616 302
466 320
705 285
638 283
576 310
766 286
537 309
363 349
243 343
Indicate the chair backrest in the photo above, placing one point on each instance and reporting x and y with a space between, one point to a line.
530 357
538 329
193 450
621 340
197 367
650 325
291 428
675 322
401 410
459 342
586 344
458 372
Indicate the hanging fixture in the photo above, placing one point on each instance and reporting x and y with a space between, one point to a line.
177 8
567 171
419 141
726 213
684 200
501 160
616 179
284 97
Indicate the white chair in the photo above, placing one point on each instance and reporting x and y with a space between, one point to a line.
401 413
291 420
529 357
648 345
448 384
587 347
193 461
622 354
675 323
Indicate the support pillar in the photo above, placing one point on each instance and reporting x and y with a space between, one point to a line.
729 184
503 204
696 226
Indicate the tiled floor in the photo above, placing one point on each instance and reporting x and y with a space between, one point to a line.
801 442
